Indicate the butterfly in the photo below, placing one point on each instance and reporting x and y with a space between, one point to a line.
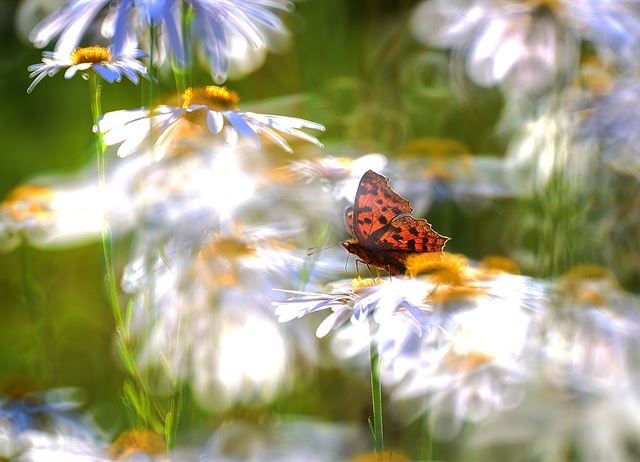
384 232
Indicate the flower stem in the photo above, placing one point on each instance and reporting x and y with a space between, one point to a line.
125 349
107 244
376 393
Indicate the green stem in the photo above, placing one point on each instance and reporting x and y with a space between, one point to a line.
376 393
125 348
107 243
187 19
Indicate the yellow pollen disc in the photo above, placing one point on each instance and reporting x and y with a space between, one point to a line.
359 283
499 264
28 201
228 247
441 148
466 361
381 456
587 284
90 55
551 4
588 272
445 268
217 98
444 293
137 441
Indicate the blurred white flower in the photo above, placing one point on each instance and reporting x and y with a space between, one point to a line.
473 364
528 46
582 382
589 337
54 413
111 67
370 304
129 446
612 125
553 423
286 441
67 210
437 170
232 34
546 148
340 175
208 109
228 31
194 190
202 316
44 447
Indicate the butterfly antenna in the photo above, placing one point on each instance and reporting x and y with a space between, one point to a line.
315 250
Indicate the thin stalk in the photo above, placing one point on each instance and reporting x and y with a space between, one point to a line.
95 85
125 349
376 394
153 74
182 73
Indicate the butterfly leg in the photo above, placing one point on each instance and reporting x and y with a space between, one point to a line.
346 263
358 268
369 269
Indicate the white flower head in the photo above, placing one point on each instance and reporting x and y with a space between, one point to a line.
209 109
232 34
111 67
66 210
210 324
365 310
528 46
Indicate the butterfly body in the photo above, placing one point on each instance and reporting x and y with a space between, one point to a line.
384 231
389 260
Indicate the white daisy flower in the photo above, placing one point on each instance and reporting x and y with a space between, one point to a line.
554 422
284 440
98 59
209 108
388 312
208 321
231 34
526 45
613 123
54 211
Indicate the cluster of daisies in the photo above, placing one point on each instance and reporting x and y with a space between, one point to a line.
219 222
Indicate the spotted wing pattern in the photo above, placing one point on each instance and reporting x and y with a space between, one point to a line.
376 205
411 234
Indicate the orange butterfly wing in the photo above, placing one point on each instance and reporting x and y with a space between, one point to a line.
375 207
411 234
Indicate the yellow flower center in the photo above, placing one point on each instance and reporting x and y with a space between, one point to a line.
217 98
381 456
366 283
550 4
498 264
451 274
441 268
441 148
466 361
137 441
229 247
588 272
90 55
218 263
28 201
587 284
